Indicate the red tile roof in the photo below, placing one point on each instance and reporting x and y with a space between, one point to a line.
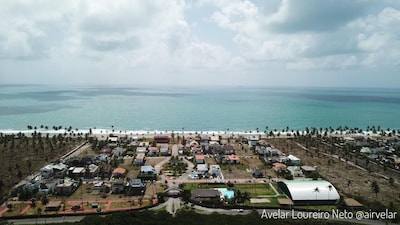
119 171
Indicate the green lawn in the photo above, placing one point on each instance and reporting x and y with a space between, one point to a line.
255 190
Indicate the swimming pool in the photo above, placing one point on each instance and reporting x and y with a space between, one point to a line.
226 193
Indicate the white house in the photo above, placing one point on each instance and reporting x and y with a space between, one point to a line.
202 169
294 159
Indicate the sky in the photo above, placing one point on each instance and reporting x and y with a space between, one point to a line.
341 43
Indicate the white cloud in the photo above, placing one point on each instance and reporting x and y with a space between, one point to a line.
223 38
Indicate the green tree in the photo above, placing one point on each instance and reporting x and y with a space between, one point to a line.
45 200
375 188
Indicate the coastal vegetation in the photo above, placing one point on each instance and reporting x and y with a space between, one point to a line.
24 153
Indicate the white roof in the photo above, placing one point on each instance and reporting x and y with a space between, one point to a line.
293 158
202 167
147 169
311 190
141 149
78 170
115 139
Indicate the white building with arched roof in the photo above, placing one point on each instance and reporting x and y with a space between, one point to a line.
310 192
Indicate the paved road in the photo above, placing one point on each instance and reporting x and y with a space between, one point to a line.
173 205
43 220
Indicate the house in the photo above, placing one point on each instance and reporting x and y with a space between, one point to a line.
216 149
98 185
200 195
46 171
76 172
153 151
140 159
119 152
161 139
295 171
46 187
33 184
102 158
233 159
308 170
107 151
118 173
228 149
135 187
215 171
54 170
202 169
214 139
197 149
148 170
113 140
141 150
118 186
66 186
262 150
253 141
282 159
164 151
279 167
92 171
294 160
199 159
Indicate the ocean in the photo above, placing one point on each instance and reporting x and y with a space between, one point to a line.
185 109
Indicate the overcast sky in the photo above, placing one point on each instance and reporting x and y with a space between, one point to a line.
205 42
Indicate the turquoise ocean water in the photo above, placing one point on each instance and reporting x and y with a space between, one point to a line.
196 109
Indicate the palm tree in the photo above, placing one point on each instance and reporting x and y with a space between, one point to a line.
375 188
316 190
330 187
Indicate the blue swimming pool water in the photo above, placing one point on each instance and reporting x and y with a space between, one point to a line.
228 194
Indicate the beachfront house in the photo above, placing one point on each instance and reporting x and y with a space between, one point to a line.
161 139
253 140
